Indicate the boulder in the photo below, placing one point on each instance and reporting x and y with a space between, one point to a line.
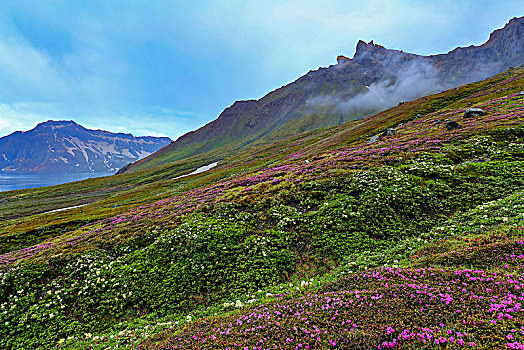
452 126
389 132
373 139
473 112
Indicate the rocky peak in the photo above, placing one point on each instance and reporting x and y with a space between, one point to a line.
54 124
58 122
364 49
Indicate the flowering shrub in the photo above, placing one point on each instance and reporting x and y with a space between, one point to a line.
382 308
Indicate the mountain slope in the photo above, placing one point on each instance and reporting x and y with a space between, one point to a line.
375 79
65 146
273 232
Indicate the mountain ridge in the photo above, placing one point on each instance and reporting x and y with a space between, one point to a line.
66 146
375 79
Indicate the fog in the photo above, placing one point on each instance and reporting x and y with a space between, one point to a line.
411 80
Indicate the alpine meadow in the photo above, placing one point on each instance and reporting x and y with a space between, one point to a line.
377 203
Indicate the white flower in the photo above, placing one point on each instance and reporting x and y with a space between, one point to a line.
303 284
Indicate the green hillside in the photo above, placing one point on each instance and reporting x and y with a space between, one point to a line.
323 240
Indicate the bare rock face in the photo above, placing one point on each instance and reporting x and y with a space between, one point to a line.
65 146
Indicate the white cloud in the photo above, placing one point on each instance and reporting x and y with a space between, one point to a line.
28 69
159 121
20 117
156 121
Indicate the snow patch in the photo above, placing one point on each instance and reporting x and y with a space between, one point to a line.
67 208
142 154
199 170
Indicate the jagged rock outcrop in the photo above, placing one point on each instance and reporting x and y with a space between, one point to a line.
341 59
65 146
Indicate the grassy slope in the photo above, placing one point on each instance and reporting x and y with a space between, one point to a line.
305 207
24 203
303 119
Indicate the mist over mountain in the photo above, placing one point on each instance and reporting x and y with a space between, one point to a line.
374 79
65 146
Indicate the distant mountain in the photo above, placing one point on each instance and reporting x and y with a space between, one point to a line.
65 146
373 80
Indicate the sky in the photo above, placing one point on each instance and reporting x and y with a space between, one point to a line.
163 68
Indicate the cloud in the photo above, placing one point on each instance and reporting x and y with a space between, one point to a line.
154 121
20 117
412 80
25 70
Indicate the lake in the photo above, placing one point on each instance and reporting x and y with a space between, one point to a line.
15 181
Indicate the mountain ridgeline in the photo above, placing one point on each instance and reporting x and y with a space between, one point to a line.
65 146
375 79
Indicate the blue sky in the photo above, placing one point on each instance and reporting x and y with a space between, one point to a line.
168 67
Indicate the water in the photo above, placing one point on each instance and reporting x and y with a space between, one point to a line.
15 181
